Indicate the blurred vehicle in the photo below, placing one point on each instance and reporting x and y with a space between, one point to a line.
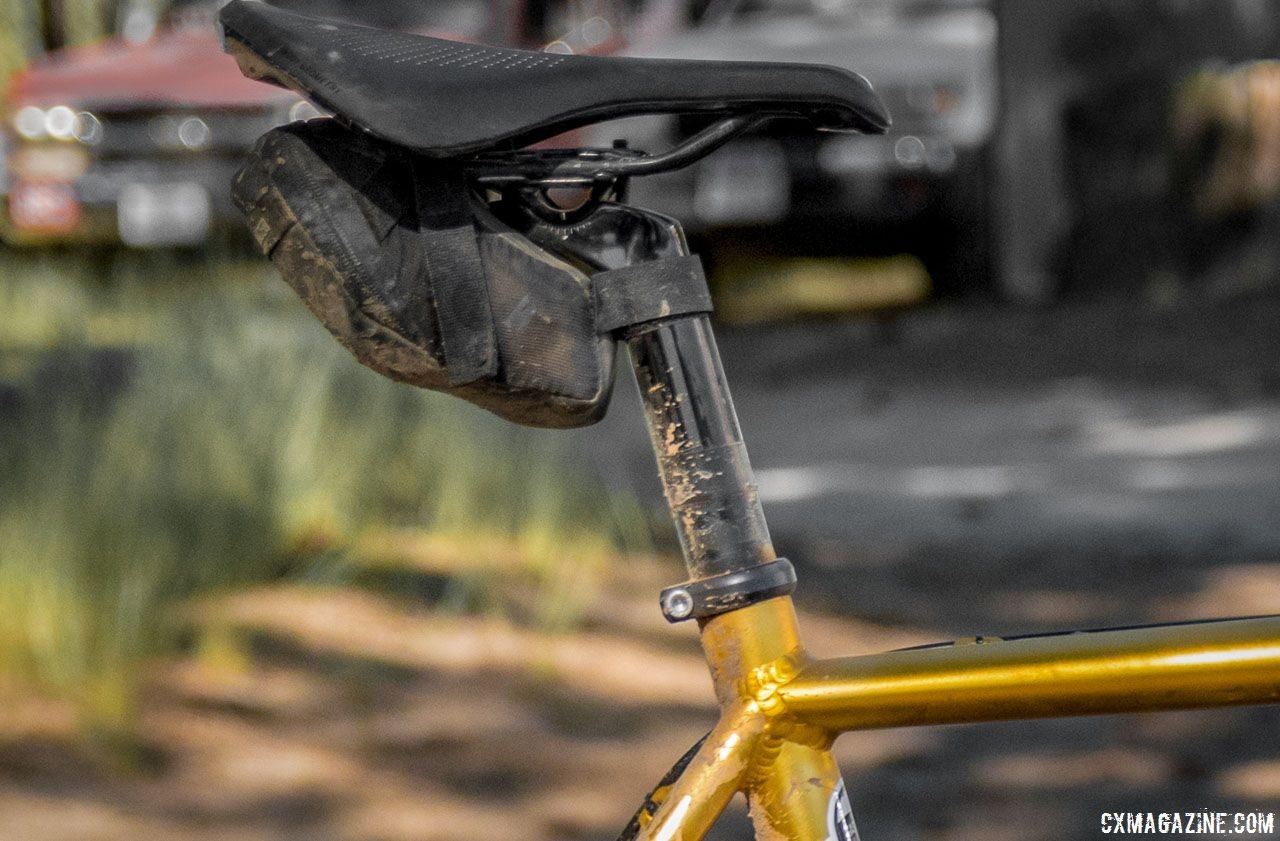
135 139
933 62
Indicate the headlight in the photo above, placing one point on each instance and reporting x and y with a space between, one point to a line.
194 133
88 128
59 122
170 131
29 122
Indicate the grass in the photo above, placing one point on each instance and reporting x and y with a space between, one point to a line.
174 428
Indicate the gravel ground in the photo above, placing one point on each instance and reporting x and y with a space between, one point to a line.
973 471
946 473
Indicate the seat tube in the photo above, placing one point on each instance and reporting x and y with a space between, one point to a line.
706 476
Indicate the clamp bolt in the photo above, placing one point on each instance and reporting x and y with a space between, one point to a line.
677 604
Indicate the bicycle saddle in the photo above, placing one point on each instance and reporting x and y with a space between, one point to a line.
445 98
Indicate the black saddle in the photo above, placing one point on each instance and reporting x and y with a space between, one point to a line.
446 99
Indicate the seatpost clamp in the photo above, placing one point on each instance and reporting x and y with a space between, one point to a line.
728 591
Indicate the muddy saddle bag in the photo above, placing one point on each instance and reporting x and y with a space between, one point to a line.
419 281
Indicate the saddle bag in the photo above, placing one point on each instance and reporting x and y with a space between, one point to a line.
419 281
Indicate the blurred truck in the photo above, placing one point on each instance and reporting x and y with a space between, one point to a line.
918 188
1031 156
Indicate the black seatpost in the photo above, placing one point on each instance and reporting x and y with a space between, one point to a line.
702 460
706 475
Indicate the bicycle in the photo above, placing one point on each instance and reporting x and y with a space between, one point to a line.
781 709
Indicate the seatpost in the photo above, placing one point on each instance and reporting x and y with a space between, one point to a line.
706 475
702 460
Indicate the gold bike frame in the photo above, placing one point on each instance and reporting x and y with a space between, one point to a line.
781 710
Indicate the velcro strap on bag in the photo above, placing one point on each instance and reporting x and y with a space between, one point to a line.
456 274
649 291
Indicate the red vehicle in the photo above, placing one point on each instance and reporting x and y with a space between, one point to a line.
137 142
133 142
